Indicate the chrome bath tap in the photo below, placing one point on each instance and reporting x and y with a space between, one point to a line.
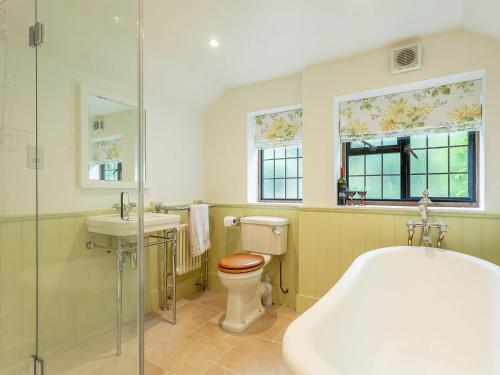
423 206
426 226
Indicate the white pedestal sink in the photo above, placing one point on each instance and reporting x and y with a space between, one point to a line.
114 225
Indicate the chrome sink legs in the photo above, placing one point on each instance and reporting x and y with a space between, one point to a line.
119 299
126 248
121 255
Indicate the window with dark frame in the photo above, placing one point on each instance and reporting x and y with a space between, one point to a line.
280 174
400 169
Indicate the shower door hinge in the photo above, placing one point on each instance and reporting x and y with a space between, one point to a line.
36 365
36 34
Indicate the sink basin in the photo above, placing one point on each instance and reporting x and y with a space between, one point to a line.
113 225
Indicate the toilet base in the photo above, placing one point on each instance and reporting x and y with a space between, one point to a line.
238 327
244 304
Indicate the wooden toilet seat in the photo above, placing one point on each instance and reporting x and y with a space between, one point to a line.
241 263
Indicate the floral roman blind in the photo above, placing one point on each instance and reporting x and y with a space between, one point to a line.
451 107
106 149
280 129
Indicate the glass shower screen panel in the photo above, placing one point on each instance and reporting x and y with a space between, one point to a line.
87 131
17 187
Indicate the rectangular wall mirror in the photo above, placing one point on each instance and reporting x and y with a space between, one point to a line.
108 140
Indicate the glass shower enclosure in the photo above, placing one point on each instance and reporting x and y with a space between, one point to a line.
71 141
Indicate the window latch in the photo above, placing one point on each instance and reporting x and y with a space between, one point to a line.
369 145
408 150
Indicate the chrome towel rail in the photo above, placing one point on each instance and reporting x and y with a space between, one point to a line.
181 207
185 207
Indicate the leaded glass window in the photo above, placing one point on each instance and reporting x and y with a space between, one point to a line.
281 174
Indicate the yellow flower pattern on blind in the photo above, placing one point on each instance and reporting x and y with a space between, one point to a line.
106 149
278 129
451 107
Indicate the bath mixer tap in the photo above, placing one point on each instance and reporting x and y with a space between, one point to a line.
425 234
426 226
423 206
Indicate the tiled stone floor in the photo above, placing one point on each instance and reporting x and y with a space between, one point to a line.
196 345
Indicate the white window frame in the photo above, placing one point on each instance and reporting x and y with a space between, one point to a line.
253 155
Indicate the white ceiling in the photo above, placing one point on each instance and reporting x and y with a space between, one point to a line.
100 106
482 16
264 39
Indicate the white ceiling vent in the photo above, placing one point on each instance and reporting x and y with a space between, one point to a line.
404 59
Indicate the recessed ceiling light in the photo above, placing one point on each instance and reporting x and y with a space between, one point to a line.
214 43
117 19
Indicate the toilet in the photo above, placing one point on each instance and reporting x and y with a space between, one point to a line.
262 237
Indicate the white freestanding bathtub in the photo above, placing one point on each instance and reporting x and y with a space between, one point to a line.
403 311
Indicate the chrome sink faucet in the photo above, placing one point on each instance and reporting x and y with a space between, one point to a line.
125 206
426 226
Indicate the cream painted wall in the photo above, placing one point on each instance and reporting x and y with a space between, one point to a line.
329 239
177 151
17 107
175 167
444 54
63 64
77 287
226 134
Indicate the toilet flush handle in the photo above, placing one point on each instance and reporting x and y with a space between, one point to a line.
275 231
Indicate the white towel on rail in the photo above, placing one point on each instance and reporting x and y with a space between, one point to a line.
199 231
